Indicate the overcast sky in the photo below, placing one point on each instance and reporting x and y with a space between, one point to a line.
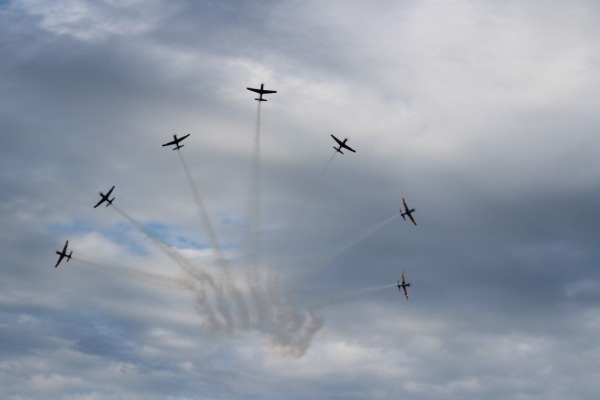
259 264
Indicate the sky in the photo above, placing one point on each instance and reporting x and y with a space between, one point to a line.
257 263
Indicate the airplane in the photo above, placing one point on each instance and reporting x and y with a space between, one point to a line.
176 141
342 144
261 91
407 212
105 197
403 285
63 254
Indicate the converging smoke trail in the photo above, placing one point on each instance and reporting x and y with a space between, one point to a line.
202 211
227 278
196 273
288 327
147 277
319 304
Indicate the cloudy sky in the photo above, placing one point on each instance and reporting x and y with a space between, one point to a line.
256 264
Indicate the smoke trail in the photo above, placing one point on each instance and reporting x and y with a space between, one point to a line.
254 204
203 213
359 238
147 277
204 310
226 276
196 273
253 238
319 304
298 217
328 164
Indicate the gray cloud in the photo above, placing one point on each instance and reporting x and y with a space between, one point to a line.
482 115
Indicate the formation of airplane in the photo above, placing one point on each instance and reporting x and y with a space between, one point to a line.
403 285
408 212
176 141
342 144
261 91
105 198
62 254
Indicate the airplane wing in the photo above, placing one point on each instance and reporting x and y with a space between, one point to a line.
171 143
263 91
405 292
412 218
337 140
405 205
110 191
59 260
100 202
403 278
62 255
348 148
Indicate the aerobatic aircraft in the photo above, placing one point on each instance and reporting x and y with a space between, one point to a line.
403 285
176 141
407 212
342 144
105 197
63 254
261 91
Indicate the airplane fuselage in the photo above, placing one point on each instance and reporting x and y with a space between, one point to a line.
407 213
176 142
62 254
68 256
105 198
342 144
261 91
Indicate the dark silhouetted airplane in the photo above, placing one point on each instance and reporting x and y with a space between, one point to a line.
63 254
261 91
403 285
176 141
105 197
407 212
342 144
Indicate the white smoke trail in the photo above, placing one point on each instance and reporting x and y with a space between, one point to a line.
326 168
147 277
254 205
196 273
226 278
358 238
319 304
298 217
253 238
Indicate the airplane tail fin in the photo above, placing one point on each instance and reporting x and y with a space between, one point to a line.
260 99
403 215
109 202
338 150
69 256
